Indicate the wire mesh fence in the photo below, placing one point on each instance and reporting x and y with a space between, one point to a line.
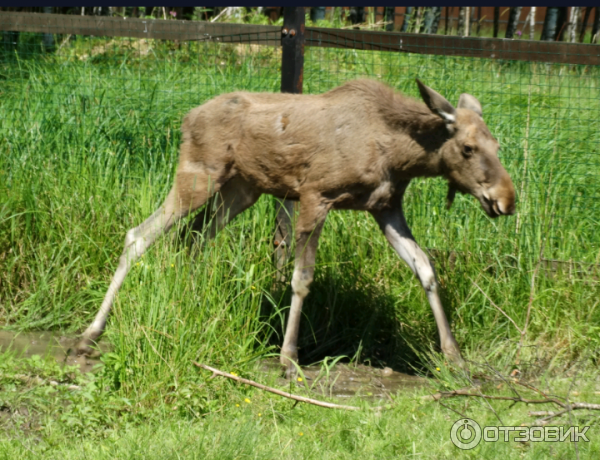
114 104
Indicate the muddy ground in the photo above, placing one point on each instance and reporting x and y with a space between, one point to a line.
340 381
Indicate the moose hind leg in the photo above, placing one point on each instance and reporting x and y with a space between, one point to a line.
137 241
234 197
283 235
397 232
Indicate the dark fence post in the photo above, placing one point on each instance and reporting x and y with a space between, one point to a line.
48 39
292 67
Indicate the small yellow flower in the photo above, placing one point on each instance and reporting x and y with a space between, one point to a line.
259 414
237 405
437 369
299 379
137 263
234 374
301 434
172 265
247 400
254 288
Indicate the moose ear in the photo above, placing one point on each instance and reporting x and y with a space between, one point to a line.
466 101
437 103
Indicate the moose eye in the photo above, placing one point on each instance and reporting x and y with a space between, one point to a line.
467 151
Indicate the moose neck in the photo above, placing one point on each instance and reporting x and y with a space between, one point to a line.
421 155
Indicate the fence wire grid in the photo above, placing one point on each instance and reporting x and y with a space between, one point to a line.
116 102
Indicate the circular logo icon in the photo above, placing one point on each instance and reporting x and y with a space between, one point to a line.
465 433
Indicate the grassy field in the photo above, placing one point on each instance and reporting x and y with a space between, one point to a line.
88 148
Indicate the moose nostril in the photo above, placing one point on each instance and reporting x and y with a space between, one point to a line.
506 210
497 208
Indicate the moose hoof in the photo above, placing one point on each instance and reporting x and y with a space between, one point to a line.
452 353
289 361
291 372
84 348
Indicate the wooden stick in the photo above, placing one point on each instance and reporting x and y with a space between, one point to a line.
567 406
274 390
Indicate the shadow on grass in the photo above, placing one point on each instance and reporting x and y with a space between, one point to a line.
350 315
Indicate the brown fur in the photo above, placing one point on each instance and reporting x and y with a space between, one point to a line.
349 146
354 147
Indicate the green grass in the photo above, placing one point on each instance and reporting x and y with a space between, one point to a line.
88 148
219 419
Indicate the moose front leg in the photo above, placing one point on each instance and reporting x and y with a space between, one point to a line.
396 230
308 229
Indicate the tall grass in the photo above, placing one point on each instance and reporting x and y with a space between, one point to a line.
88 150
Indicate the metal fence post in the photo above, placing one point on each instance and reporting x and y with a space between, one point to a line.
292 67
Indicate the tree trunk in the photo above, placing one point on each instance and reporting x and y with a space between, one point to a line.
419 19
513 21
462 13
389 14
532 23
437 16
584 23
550 22
317 13
432 19
407 18
573 21
562 22
596 26
448 10
357 14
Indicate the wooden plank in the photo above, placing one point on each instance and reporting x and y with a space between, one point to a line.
488 48
140 28
444 45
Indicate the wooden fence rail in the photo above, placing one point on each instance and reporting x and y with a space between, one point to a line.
489 48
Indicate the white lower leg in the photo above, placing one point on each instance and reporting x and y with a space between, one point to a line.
137 241
300 286
447 341
401 239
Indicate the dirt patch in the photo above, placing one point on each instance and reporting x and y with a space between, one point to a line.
346 381
46 343
341 381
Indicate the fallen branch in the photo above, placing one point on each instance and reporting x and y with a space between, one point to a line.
274 390
517 399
